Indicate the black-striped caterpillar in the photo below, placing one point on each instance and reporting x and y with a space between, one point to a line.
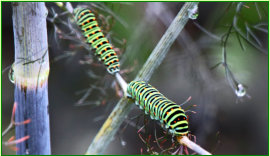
159 107
87 22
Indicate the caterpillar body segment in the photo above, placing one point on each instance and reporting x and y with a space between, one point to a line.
148 98
86 20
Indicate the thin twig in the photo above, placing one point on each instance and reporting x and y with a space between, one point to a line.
121 110
10 126
121 82
190 144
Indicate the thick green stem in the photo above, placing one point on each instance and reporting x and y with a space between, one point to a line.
123 107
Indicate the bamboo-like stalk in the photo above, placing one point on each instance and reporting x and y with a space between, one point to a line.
31 70
123 107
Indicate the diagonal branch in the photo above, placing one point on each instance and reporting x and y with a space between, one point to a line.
121 110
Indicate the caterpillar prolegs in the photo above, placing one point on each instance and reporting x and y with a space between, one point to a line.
87 22
159 107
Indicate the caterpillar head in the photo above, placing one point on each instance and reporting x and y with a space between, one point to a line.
113 69
176 122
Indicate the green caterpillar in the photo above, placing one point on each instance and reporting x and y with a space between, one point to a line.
159 107
87 22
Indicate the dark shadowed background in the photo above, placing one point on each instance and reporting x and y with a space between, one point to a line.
222 124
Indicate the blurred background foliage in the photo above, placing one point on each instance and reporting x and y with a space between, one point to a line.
82 93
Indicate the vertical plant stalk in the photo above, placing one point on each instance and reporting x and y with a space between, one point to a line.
123 107
31 70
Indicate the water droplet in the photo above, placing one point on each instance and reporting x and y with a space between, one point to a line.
11 74
240 91
123 143
193 13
